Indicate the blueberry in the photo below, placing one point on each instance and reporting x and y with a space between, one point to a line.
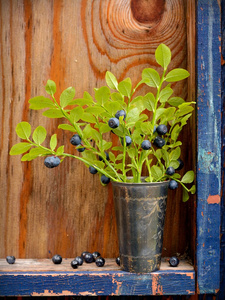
74 264
174 261
75 140
159 142
100 261
52 161
106 156
118 261
170 171
96 254
181 164
10 259
113 123
57 259
146 145
120 113
84 253
89 258
128 140
80 260
173 185
104 179
161 129
92 170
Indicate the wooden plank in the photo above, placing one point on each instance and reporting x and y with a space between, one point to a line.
74 43
43 278
208 146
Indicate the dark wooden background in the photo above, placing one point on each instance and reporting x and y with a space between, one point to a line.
66 210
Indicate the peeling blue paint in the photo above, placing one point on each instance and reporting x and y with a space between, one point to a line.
208 145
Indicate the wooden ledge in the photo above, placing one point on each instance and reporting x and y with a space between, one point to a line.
40 277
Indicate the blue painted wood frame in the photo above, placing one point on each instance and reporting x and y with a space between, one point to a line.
98 283
208 145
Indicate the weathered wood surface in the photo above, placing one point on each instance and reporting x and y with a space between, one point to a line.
66 210
43 278
209 146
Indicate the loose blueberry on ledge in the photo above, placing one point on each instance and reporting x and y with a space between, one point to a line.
51 162
96 254
57 259
100 261
118 261
89 258
174 261
75 140
10 259
74 264
113 123
79 260
146 145
120 113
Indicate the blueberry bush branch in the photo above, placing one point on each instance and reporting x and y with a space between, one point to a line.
147 128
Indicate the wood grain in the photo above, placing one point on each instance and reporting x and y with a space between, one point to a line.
66 210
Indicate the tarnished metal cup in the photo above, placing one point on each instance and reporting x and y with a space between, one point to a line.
140 212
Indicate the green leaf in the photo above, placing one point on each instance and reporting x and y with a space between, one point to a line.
146 127
104 128
193 189
40 102
87 132
39 135
113 107
175 132
20 148
159 112
117 98
88 118
163 56
185 195
60 151
188 177
67 127
184 109
67 96
50 87
27 157
175 154
175 101
149 102
95 110
151 77
53 113
174 163
37 151
124 88
111 80
76 114
177 75
165 94
106 145
81 102
156 172
23 130
102 95
133 115
53 142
